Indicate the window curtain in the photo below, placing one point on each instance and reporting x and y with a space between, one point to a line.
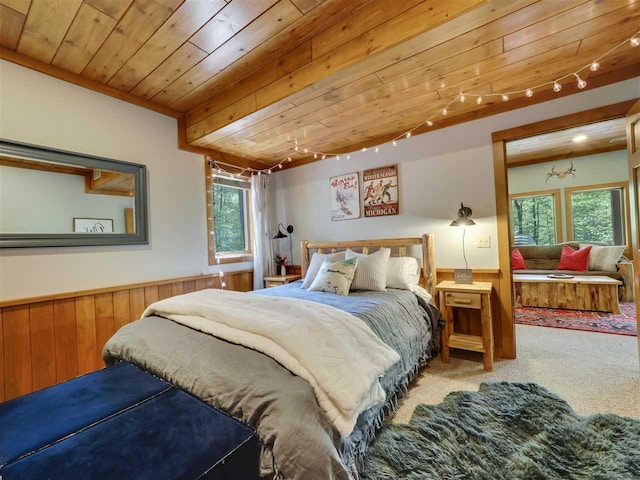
261 221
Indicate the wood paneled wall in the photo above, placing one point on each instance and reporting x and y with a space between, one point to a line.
47 340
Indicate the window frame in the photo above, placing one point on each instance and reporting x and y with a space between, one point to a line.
626 218
555 193
226 257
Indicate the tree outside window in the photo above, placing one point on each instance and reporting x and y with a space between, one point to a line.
229 218
534 220
598 216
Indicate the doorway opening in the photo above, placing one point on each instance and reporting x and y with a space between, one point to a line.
562 186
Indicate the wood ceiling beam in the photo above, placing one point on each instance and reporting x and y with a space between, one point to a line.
61 74
403 27
225 157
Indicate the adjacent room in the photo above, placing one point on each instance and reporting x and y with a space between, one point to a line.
319 239
570 189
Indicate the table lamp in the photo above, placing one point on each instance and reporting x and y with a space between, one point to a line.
463 275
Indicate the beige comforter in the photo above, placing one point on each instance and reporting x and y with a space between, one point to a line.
336 352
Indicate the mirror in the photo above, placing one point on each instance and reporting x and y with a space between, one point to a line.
56 198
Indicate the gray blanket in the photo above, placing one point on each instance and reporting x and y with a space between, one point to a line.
299 442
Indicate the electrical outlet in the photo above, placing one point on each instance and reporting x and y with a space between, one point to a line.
483 241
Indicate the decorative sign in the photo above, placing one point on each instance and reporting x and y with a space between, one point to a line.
463 276
93 225
380 196
345 197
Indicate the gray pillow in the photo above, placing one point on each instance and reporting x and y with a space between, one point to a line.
604 259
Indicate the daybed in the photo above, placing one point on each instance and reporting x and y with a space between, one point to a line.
545 259
300 439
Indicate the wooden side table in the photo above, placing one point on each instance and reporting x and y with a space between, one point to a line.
475 296
280 280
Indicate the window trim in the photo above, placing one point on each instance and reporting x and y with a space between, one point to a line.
539 193
600 186
226 257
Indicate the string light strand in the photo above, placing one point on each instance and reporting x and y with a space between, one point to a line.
224 169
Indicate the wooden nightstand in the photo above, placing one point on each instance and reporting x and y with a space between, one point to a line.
476 296
280 280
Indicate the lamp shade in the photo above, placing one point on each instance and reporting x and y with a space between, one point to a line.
281 233
464 217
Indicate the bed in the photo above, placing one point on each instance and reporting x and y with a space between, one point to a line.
299 439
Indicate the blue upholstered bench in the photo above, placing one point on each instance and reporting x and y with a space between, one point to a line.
122 423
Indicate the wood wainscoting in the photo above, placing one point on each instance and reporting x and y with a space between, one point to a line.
470 326
47 340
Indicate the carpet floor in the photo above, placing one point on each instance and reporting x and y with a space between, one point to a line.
623 323
594 373
505 431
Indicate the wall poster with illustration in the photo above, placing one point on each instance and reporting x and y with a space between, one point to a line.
345 196
380 191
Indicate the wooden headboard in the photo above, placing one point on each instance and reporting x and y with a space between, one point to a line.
398 248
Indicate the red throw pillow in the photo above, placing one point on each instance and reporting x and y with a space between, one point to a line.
576 260
517 260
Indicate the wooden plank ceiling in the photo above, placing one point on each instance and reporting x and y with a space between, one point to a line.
599 137
247 78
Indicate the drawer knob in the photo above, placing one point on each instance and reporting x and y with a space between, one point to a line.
462 300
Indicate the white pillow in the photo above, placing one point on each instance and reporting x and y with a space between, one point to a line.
422 293
402 272
604 259
371 273
335 277
316 263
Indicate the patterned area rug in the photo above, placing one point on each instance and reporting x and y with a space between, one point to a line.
505 431
623 323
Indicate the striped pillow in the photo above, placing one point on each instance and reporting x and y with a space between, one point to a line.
371 273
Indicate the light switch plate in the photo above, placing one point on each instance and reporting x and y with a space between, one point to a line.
483 241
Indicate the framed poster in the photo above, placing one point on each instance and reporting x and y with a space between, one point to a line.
380 187
345 196
93 225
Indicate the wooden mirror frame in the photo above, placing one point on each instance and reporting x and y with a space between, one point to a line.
32 152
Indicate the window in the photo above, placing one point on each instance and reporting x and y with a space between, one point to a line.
228 220
598 214
535 218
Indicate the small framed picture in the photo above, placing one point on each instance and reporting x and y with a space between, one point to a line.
93 225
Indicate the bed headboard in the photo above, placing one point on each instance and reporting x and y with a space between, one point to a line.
398 248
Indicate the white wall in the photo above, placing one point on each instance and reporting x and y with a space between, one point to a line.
41 110
590 170
47 202
605 167
437 171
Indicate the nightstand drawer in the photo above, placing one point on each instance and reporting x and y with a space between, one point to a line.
466 300
269 283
